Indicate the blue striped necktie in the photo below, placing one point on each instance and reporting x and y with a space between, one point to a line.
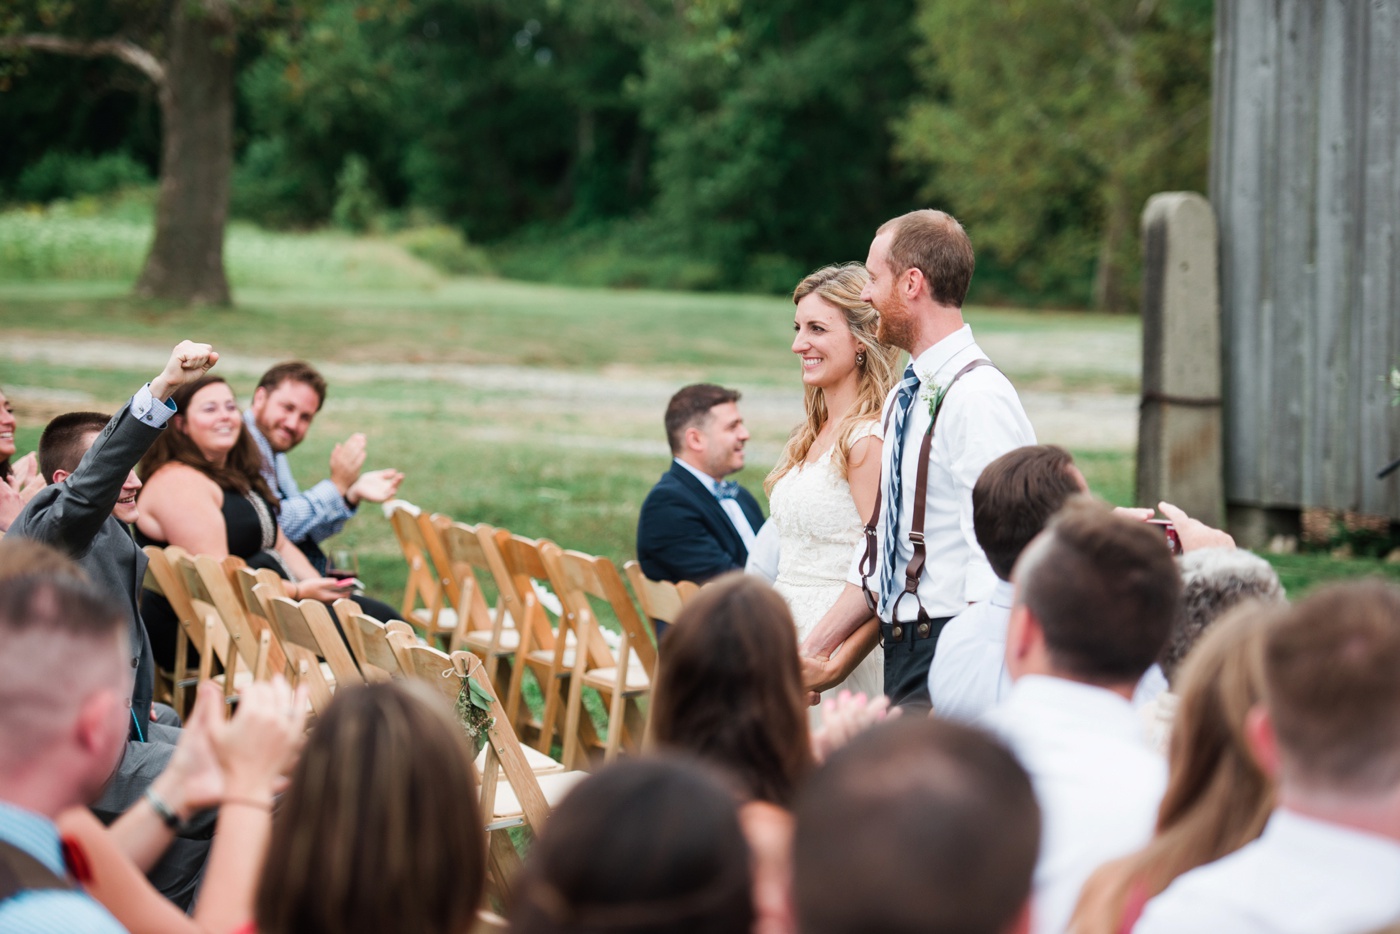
908 389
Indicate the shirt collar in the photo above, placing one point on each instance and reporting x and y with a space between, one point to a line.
1002 594
264 445
33 833
931 361
700 475
1108 711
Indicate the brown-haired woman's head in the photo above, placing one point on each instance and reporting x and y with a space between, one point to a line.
729 687
207 433
646 846
380 829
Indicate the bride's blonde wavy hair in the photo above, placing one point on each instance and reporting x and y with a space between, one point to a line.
840 286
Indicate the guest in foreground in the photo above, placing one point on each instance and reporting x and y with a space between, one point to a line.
1328 733
65 680
649 846
927 567
205 492
380 829
828 477
916 827
1096 594
287 400
85 511
694 524
1217 797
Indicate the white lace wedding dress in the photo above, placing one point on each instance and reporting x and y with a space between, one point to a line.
818 527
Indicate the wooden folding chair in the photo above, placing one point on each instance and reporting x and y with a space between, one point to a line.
546 649
300 645
488 632
369 641
200 629
244 649
423 591
661 600
623 678
512 795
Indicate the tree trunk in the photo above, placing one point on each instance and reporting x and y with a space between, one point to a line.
1109 291
186 262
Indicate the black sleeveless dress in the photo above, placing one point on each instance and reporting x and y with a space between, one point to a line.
250 528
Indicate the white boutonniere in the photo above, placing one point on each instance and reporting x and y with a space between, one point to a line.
931 393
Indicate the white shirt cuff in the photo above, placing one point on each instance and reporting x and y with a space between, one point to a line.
145 408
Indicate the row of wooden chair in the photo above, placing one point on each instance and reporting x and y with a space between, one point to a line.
546 619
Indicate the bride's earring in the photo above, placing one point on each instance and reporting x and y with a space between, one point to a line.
860 358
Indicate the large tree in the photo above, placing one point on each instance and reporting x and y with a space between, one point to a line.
1046 124
185 49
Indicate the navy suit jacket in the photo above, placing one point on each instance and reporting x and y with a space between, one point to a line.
683 533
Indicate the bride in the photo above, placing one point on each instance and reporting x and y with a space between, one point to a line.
825 483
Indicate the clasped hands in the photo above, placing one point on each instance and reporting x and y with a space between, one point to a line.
373 486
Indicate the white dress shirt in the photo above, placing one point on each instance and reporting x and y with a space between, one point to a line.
968 675
1097 782
731 508
1302 876
981 420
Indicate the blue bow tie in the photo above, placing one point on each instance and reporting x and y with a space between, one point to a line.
726 489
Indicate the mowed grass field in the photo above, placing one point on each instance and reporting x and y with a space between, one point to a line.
534 408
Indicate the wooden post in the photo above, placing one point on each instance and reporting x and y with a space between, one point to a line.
1179 428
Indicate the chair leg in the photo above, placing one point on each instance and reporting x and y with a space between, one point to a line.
616 724
554 703
504 862
572 723
636 724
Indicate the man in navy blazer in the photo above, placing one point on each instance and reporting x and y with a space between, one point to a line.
694 525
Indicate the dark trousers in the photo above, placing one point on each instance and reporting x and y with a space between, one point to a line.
908 654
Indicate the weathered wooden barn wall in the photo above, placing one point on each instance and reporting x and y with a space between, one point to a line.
1305 180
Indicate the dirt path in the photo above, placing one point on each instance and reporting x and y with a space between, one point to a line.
1082 420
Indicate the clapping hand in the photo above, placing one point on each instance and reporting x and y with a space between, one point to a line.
188 362
257 747
346 460
375 486
844 716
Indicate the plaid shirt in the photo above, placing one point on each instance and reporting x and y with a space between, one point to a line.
316 514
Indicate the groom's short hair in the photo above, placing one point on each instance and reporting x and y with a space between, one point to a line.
691 406
947 801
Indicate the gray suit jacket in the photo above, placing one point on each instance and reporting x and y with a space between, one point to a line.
75 516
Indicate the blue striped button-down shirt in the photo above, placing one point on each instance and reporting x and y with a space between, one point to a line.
47 911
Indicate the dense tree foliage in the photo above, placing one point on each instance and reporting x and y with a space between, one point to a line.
708 143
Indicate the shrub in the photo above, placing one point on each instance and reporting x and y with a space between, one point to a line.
65 175
445 249
356 202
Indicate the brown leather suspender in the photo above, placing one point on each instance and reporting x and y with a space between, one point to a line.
915 570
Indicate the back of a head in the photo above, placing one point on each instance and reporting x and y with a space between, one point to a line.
65 441
380 829
1105 590
1332 688
690 406
729 687
936 244
649 846
1214 581
1014 498
942 801
61 640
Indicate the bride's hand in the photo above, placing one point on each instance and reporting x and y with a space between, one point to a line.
819 673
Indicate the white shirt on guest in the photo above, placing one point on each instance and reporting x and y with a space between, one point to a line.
968 675
982 419
1097 782
731 507
1302 876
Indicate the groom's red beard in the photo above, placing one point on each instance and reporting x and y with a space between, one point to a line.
896 327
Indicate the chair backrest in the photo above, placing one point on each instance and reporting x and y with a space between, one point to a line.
661 600
298 642
369 640
162 570
424 584
524 567
446 674
577 577
472 550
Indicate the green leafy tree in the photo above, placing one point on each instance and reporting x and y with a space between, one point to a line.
1046 125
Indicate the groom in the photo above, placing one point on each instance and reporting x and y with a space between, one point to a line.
694 525
923 565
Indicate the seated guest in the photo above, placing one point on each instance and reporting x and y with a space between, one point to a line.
205 492
380 829
1096 594
695 525
1213 581
648 846
1328 733
19 480
65 682
916 826
88 460
285 403
1217 797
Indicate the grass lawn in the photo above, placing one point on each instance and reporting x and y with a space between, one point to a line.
532 407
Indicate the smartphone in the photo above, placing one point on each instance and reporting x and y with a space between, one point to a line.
1169 530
